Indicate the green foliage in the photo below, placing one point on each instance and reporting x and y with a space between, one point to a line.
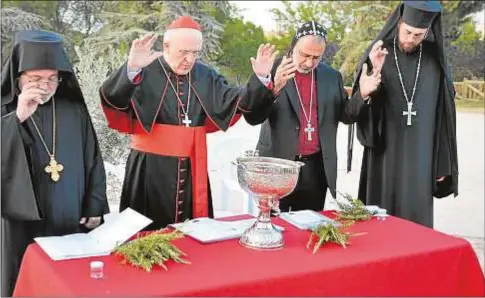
329 233
239 42
337 16
91 70
281 41
334 15
369 20
468 37
151 250
127 21
352 209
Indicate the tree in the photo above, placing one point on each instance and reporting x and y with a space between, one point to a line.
91 71
240 41
336 16
129 20
369 20
463 44
467 53
15 19
73 19
455 14
370 17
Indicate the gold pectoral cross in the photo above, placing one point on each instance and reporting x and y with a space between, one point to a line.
54 169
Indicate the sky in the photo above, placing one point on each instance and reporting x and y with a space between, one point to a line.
258 13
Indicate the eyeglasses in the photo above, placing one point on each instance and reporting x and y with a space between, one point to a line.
306 57
186 53
50 81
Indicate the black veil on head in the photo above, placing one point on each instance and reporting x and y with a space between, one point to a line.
38 49
420 14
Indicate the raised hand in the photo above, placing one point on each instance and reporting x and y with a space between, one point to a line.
29 99
284 72
377 56
141 53
368 83
265 57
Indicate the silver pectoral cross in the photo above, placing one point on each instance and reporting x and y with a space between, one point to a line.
409 113
309 130
186 120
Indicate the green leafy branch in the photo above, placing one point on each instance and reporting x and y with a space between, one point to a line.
329 233
154 249
352 209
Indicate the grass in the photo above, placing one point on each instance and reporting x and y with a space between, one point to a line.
466 105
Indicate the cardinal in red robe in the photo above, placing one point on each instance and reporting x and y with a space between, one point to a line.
168 101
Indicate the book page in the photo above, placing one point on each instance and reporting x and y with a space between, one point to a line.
62 247
100 241
119 229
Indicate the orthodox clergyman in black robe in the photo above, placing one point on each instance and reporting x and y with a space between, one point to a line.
409 132
53 178
166 101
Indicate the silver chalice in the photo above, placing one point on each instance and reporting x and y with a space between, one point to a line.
266 180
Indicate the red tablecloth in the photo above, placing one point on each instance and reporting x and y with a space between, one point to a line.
394 258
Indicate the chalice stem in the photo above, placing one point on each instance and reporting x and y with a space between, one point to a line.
265 206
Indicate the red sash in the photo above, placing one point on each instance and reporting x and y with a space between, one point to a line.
180 141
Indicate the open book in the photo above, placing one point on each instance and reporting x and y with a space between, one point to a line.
99 242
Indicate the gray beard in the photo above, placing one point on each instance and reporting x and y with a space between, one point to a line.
304 71
48 96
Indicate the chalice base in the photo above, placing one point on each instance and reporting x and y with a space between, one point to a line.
262 235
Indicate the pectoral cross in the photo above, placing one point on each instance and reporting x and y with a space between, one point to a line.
409 113
54 168
309 130
186 120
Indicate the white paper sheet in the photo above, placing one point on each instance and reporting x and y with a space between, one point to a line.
100 241
306 219
207 230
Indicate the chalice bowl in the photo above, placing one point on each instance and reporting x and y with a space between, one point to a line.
266 180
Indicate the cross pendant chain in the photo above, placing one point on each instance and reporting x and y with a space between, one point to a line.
186 120
54 169
309 129
409 113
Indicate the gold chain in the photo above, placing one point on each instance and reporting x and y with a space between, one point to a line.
53 154
53 168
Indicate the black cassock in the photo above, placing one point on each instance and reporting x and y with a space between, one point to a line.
160 186
401 163
32 204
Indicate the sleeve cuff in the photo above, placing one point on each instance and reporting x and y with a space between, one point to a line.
265 80
133 74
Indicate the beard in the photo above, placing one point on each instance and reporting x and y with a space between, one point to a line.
48 96
304 70
408 48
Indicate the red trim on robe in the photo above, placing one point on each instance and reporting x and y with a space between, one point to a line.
137 79
211 127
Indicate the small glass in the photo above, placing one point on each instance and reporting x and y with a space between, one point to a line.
381 214
96 269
